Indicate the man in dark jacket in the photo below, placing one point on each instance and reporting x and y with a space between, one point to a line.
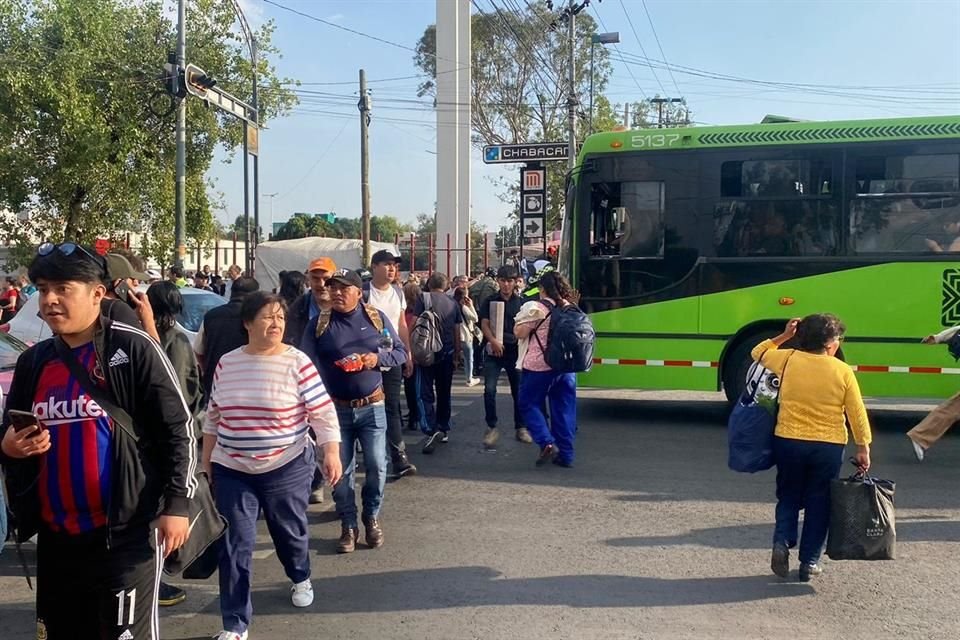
222 331
107 499
306 309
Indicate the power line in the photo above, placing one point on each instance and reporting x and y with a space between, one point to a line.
659 46
358 33
639 42
314 166
616 48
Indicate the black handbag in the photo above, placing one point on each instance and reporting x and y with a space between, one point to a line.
207 526
863 524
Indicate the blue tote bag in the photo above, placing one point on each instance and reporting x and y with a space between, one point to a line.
753 421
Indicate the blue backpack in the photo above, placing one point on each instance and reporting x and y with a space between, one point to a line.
752 422
570 340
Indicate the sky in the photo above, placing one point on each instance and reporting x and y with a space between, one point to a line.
906 52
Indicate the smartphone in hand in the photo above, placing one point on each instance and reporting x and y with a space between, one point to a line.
24 419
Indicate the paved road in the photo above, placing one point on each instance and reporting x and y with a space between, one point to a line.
649 537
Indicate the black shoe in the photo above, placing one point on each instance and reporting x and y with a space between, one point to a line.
433 440
808 571
780 560
402 466
547 454
563 463
444 437
169 595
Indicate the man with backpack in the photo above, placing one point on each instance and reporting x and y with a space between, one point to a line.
381 293
350 343
502 355
435 346
100 456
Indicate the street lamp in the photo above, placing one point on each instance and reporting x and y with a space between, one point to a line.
271 196
612 37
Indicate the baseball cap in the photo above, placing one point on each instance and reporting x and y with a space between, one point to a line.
347 277
324 264
365 274
119 268
385 255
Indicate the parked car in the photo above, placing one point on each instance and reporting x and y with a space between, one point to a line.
29 327
10 350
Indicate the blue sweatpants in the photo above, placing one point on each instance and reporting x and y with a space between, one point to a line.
560 390
283 494
804 471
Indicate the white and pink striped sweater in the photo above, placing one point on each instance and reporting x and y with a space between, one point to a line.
261 408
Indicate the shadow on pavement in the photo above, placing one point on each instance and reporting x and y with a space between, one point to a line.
758 536
477 586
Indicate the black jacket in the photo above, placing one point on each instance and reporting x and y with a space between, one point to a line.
298 317
223 331
154 466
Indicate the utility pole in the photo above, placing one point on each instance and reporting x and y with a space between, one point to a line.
252 250
364 106
626 115
181 162
572 95
660 102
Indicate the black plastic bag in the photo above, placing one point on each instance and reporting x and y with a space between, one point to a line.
862 519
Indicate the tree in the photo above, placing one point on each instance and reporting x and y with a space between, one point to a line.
89 131
519 90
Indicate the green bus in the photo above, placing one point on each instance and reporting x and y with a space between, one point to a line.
691 245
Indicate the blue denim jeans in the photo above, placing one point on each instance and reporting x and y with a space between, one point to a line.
804 471
467 347
368 425
560 390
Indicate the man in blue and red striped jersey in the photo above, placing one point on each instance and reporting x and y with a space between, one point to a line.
107 499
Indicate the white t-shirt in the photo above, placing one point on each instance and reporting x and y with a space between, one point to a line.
391 302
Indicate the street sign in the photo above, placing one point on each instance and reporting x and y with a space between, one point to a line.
533 227
532 204
533 179
533 152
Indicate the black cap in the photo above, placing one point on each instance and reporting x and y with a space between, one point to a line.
365 274
347 277
385 255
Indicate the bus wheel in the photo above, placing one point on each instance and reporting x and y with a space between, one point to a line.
737 363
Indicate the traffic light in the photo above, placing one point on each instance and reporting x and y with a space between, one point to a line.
172 77
197 82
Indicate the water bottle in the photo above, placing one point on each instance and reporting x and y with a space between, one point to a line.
386 340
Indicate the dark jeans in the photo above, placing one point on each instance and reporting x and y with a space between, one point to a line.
283 495
491 374
804 471
392 391
368 425
412 392
435 383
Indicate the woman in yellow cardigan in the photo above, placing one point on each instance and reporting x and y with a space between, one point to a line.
817 391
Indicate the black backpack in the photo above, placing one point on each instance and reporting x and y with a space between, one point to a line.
570 339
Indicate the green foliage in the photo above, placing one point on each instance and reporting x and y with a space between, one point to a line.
90 134
302 225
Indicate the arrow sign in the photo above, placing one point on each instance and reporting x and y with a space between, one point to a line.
533 227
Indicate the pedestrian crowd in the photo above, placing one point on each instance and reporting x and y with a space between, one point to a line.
116 428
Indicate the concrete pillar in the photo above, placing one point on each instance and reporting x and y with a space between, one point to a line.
453 132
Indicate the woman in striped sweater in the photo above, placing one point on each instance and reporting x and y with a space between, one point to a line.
266 397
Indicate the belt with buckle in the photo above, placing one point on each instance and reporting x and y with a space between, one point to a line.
376 396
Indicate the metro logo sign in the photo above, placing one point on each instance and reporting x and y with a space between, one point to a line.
533 180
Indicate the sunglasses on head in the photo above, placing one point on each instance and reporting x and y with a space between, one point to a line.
67 249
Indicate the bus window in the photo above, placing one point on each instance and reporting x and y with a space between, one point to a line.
776 228
627 219
906 204
775 178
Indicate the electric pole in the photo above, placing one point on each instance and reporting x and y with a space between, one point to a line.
660 102
572 95
364 106
181 163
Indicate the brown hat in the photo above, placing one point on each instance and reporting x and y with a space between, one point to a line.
119 268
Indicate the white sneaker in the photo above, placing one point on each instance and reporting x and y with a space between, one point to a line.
918 450
302 594
472 382
231 635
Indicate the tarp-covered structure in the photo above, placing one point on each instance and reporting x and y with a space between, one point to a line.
295 255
